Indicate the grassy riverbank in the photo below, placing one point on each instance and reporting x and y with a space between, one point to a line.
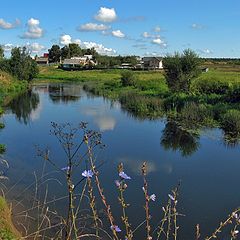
7 229
212 100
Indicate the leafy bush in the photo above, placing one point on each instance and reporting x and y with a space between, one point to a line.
128 78
231 121
209 86
180 69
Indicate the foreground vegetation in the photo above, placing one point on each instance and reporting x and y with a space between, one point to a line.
7 229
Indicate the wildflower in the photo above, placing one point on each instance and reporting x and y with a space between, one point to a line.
171 197
115 228
124 175
236 232
87 173
65 168
153 197
124 186
117 183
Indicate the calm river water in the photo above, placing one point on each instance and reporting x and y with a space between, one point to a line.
207 168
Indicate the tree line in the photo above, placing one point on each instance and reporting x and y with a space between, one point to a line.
20 64
57 54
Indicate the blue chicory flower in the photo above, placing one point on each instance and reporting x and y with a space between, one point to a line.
153 197
124 175
171 197
87 173
65 168
117 183
116 228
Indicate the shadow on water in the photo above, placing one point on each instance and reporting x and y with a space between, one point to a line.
23 105
176 138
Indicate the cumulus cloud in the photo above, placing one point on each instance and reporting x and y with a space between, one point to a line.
106 15
34 30
36 47
65 39
160 42
118 33
100 48
7 25
90 27
7 47
196 26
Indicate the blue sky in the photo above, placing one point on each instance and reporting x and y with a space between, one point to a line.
153 27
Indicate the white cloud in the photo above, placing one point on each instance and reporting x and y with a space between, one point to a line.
65 39
160 42
157 41
157 29
7 47
118 33
7 25
106 15
146 35
93 27
100 48
36 47
34 30
196 26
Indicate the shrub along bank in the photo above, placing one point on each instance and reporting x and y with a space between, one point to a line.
146 94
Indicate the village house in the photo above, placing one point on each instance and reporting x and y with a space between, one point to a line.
43 60
152 63
78 62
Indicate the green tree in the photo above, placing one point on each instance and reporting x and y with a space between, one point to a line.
1 52
75 50
180 69
54 54
22 65
65 52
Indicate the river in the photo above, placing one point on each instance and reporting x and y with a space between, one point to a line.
207 168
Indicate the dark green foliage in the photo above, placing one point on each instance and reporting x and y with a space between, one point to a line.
65 52
21 65
194 115
210 86
181 69
75 50
141 106
54 54
2 148
2 125
231 121
233 95
1 52
128 78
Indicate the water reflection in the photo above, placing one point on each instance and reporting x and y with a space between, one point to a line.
175 137
62 93
23 106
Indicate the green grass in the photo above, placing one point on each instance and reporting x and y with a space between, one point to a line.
7 229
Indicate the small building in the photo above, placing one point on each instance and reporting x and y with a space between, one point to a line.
42 60
76 63
152 63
